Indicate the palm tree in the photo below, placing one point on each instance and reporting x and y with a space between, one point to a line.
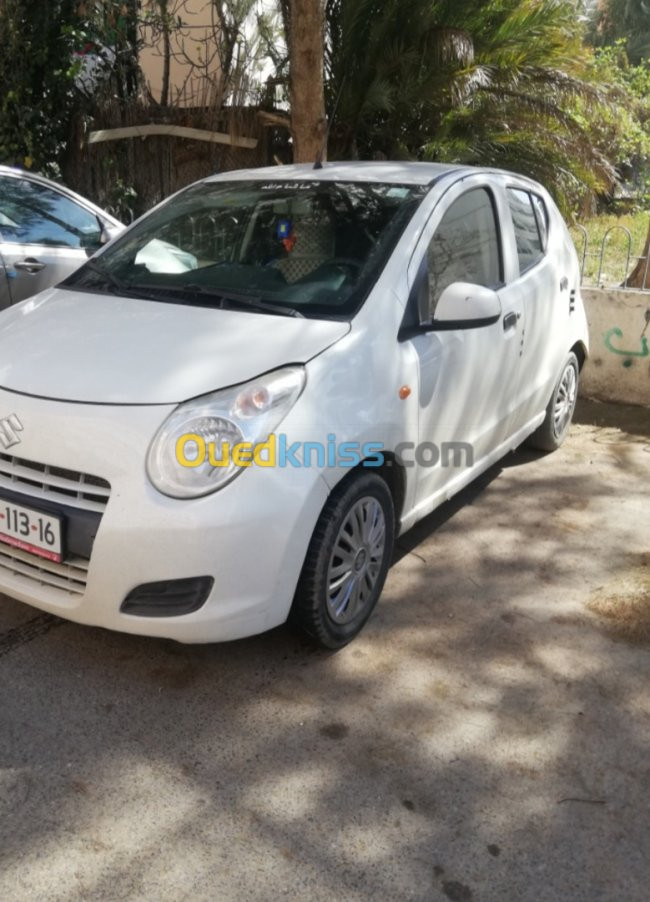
494 82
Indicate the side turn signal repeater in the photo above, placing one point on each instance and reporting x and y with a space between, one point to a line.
404 392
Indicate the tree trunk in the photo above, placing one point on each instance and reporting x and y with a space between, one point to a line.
640 275
308 121
167 53
131 65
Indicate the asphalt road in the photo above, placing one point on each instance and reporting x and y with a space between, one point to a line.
486 738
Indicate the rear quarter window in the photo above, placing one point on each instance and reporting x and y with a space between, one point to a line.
531 241
541 214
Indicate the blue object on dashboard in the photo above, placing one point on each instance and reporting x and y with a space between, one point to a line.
284 228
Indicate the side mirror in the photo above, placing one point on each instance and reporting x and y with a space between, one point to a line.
91 242
105 233
109 231
463 305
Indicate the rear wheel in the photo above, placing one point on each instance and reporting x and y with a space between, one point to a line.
347 562
560 410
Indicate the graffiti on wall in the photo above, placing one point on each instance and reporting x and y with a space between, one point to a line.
617 334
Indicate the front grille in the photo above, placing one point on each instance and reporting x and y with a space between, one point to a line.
26 481
70 576
70 487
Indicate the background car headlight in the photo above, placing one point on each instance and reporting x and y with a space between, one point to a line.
244 413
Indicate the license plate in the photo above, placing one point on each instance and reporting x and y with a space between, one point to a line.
31 530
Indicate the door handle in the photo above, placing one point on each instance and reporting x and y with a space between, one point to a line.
30 265
510 320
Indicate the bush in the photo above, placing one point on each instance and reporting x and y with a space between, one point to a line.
37 71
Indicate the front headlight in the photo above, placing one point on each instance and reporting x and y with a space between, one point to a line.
246 413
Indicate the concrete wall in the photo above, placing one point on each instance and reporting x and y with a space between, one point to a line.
619 328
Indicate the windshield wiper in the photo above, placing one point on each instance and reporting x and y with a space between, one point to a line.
255 303
112 280
219 297
187 293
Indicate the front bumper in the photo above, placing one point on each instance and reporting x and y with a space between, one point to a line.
250 536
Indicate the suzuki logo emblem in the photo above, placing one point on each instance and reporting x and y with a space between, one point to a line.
9 428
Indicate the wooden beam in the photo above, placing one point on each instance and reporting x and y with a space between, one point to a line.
281 120
175 131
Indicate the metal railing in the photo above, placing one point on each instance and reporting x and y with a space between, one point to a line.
615 265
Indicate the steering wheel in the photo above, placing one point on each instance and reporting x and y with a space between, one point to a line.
338 269
346 263
349 265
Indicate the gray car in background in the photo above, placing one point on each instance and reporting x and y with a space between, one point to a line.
46 232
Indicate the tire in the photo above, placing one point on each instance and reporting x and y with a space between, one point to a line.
346 563
560 410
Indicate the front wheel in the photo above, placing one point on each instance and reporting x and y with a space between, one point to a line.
560 410
346 563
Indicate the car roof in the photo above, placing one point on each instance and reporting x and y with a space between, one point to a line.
398 173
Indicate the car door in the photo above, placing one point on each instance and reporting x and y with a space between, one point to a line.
5 297
467 376
44 235
543 285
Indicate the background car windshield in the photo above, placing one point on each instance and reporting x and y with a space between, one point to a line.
316 247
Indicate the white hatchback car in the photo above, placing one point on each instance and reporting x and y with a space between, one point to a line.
203 443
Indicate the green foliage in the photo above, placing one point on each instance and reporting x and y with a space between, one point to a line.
622 130
115 24
612 20
36 80
121 200
504 83
38 68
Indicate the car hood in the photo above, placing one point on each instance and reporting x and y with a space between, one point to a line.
101 349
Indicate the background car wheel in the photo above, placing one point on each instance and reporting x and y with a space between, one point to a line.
561 407
347 562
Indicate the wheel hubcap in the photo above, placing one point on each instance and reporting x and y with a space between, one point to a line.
360 560
355 563
565 401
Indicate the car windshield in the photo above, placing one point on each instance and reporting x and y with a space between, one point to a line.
305 248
